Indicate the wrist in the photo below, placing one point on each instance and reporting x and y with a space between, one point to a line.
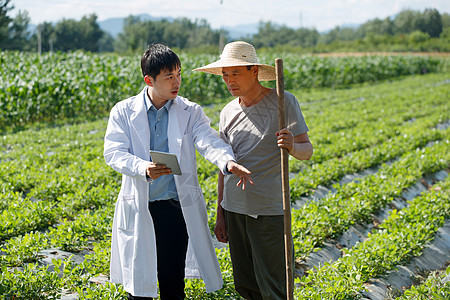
229 165
148 178
228 168
292 150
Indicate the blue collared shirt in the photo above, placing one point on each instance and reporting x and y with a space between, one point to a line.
162 188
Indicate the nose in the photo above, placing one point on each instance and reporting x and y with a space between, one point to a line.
178 80
228 79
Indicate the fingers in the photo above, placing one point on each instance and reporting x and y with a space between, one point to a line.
285 139
241 172
244 180
237 169
155 171
220 233
284 131
249 179
239 183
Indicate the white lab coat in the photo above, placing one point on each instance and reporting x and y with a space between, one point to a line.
126 150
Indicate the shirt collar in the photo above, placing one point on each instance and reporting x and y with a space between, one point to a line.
148 102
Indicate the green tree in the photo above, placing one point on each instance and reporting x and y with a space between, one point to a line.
134 36
445 20
376 26
18 31
185 34
431 22
270 35
181 33
406 22
176 34
5 20
445 34
90 33
66 35
418 36
305 37
337 34
84 34
106 43
18 34
203 35
48 37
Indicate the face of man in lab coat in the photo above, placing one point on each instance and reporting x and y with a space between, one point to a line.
165 86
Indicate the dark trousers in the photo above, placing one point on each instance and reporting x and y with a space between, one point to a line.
171 248
257 255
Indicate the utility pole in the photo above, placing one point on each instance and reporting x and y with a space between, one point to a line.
39 29
301 20
221 42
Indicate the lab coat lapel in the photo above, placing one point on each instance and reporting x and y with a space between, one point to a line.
178 119
139 121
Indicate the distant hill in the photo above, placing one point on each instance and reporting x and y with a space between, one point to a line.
241 31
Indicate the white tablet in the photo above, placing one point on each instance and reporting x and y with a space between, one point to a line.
168 159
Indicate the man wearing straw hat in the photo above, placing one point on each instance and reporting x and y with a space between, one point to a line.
251 220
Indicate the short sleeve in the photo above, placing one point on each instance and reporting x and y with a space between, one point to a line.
294 116
222 134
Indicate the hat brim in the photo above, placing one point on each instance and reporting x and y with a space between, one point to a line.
265 72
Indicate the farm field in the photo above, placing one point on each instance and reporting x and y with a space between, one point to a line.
374 199
83 86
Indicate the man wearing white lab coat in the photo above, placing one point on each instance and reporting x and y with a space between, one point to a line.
128 139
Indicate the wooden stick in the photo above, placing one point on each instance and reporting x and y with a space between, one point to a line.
285 184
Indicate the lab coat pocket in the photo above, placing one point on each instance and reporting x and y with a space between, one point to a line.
127 213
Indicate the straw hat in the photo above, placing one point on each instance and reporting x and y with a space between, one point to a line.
239 54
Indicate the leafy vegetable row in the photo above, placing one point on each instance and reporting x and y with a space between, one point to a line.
403 235
356 201
433 287
415 135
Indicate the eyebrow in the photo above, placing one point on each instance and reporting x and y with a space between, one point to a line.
231 71
169 73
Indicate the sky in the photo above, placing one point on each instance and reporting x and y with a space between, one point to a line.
319 14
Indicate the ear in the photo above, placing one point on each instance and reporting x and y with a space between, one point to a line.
255 70
148 80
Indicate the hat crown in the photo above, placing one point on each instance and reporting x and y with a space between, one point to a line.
237 54
241 51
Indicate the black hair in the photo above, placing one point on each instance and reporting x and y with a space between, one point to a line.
158 58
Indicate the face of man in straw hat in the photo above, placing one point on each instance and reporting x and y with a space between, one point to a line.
240 80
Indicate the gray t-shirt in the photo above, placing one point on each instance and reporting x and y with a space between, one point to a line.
251 133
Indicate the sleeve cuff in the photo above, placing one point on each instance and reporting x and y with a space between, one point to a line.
225 169
142 169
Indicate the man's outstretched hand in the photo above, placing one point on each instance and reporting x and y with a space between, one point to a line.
241 172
